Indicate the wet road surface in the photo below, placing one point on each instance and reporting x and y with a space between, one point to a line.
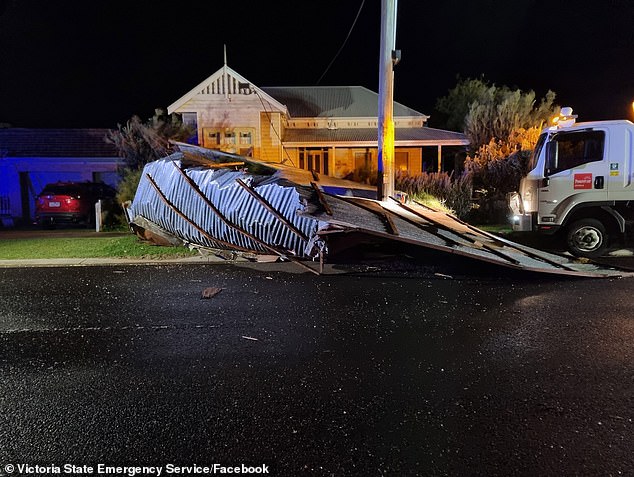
356 374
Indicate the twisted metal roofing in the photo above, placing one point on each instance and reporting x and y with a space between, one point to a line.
231 209
236 205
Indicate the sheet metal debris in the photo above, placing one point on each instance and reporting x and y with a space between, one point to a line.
222 201
210 292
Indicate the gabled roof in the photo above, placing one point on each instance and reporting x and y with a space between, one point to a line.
412 136
19 142
333 102
223 82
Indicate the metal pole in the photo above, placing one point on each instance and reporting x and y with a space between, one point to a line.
385 175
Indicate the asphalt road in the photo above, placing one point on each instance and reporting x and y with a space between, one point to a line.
403 373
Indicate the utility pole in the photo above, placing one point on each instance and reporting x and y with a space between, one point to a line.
389 56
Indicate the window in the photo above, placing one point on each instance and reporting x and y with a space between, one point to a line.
361 160
573 149
245 138
532 163
227 138
230 137
214 138
401 161
189 119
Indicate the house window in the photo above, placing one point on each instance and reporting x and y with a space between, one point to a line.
213 138
230 137
361 160
401 161
245 138
227 138
190 120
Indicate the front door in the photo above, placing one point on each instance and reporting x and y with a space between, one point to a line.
317 160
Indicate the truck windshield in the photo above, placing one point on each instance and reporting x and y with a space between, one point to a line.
532 163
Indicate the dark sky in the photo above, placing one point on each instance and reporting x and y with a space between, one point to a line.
96 63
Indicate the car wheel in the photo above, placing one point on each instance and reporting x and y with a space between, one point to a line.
587 238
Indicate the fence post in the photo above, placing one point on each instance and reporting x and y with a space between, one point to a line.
98 216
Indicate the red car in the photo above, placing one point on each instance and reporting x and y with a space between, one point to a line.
70 202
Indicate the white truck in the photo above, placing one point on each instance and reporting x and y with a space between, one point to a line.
580 185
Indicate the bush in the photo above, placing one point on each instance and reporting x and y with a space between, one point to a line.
497 168
498 174
129 182
454 192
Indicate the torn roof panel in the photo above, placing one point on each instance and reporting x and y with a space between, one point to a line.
237 210
227 208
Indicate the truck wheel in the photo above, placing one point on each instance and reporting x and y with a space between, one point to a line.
587 238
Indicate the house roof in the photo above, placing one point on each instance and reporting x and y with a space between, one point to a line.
333 102
19 142
224 82
406 136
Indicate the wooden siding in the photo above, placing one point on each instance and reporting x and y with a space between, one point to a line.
270 133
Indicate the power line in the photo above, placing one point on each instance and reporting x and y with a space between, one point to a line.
343 44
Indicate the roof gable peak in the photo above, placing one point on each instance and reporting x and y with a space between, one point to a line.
225 82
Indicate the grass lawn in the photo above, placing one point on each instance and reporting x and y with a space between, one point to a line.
127 246
496 229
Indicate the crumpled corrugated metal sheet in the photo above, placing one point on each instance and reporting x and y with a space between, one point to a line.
238 207
220 207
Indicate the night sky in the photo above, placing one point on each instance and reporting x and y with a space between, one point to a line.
96 63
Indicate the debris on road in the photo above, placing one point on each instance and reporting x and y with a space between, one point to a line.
210 292
214 200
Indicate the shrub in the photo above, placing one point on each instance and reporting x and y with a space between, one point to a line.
454 192
129 182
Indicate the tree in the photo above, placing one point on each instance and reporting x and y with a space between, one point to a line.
139 143
502 126
455 106
486 112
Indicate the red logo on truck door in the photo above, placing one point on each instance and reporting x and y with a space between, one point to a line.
583 181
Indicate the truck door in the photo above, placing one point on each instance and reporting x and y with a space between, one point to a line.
576 171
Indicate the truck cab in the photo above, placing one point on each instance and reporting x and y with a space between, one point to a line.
579 184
